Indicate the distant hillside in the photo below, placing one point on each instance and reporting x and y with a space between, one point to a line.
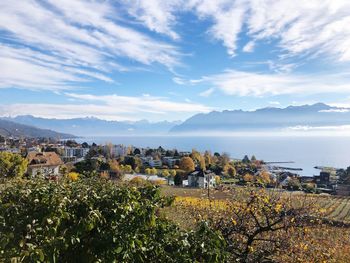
317 115
96 127
10 128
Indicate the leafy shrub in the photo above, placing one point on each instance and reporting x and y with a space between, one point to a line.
73 176
92 220
139 181
12 165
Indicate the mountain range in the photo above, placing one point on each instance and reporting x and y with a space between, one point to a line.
13 129
266 119
96 127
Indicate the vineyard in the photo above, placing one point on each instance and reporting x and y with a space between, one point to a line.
336 208
332 208
325 240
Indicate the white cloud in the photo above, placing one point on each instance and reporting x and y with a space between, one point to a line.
157 15
249 47
312 26
274 103
207 92
233 82
110 107
179 81
71 41
336 110
299 27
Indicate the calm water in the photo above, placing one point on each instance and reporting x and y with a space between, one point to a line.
306 152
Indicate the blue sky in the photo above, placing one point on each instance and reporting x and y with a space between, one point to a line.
167 60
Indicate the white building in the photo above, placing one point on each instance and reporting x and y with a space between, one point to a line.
151 162
201 179
116 150
75 152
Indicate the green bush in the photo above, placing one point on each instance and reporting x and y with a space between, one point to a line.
92 220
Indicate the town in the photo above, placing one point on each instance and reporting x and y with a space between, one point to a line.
51 158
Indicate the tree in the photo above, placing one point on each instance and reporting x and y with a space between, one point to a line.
294 184
187 164
165 173
248 178
207 158
137 151
12 165
148 171
85 145
72 143
172 173
178 180
253 158
126 168
105 166
154 171
224 159
115 168
264 178
230 170
202 164
245 159
259 225
109 150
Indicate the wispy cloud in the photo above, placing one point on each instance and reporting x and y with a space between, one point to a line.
207 92
110 107
299 27
156 15
233 82
54 43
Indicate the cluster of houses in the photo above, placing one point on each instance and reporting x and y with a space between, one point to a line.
46 158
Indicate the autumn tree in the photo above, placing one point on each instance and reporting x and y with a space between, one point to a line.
154 171
172 173
115 168
264 178
165 173
208 158
230 170
248 178
148 171
195 155
223 159
202 164
257 227
187 164
12 165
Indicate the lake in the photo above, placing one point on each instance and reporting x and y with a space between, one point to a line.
305 151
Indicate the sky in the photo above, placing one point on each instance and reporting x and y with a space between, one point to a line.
168 60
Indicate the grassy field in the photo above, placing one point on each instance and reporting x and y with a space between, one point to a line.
323 242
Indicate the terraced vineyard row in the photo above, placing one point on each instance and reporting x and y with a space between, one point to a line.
336 208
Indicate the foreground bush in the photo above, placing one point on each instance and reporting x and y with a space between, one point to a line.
96 221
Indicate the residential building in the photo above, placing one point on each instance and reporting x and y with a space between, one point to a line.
115 150
78 152
149 161
201 179
43 164
170 161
